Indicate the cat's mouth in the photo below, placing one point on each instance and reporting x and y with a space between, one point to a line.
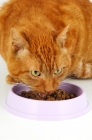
43 94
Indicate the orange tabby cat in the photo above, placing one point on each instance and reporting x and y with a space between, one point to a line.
44 41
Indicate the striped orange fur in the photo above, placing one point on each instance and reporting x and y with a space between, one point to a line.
44 41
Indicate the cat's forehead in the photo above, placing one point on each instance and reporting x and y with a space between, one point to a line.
47 60
47 56
45 50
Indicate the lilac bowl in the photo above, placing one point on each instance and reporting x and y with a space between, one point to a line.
47 110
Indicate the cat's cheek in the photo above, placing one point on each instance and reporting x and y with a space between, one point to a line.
34 77
62 76
24 78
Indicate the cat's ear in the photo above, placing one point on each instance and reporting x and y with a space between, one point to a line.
61 38
18 42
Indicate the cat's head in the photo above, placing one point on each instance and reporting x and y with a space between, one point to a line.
39 59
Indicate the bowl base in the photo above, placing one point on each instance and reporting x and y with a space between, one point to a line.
47 118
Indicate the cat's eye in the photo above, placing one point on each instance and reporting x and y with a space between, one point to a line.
58 71
35 73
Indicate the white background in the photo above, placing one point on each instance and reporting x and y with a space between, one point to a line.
16 128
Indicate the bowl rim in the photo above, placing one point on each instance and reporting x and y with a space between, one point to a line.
20 84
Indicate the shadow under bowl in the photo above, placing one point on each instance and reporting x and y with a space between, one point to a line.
47 110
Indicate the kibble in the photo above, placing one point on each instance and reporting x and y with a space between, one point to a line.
56 95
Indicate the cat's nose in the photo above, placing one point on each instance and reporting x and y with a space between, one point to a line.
48 91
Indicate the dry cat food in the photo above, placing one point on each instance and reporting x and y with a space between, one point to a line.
56 95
